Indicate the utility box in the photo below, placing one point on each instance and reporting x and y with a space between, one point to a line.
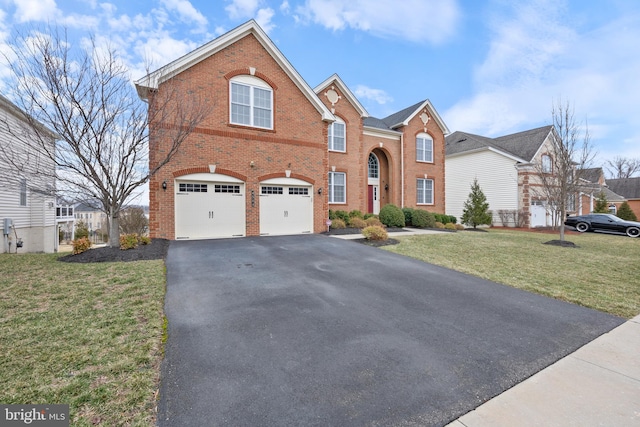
6 226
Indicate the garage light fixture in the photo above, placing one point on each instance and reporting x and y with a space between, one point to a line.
320 190
164 185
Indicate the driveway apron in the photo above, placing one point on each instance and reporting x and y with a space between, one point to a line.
317 331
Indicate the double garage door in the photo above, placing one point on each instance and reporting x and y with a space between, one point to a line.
216 208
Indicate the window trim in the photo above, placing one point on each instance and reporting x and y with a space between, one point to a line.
331 142
424 137
377 166
422 188
252 83
331 187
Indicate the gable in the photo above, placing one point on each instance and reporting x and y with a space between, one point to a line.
335 82
153 80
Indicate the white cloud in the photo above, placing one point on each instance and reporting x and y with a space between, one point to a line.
536 56
35 10
285 8
432 21
242 9
377 95
187 12
263 18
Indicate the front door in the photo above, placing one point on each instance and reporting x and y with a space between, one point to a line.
373 199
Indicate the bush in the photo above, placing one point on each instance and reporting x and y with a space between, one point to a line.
459 226
408 216
338 224
445 219
81 230
423 219
128 241
375 233
391 216
625 212
356 214
144 240
357 222
373 221
343 215
369 215
439 224
80 245
449 226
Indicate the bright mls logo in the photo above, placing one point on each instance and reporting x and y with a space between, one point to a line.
34 415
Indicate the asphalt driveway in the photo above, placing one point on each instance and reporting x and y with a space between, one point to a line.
312 330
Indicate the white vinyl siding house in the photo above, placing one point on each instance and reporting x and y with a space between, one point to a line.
26 187
497 177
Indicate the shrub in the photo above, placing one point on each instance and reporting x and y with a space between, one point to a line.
391 216
144 240
625 212
459 226
439 224
450 226
343 215
375 233
128 241
445 219
369 215
337 224
357 222
82 230
408 214
422 219
80 245
373 221
356 214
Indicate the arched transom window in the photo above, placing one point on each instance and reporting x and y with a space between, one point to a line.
374 166
251 102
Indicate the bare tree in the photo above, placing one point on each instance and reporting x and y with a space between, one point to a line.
622 167
134 221
85 95
571 153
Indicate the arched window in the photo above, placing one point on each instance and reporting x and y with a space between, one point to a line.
424 148
374 166
337 136
251 102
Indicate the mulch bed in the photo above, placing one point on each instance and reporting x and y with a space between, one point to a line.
349 230
156 250
376 243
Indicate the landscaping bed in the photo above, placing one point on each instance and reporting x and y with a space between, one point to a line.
156 250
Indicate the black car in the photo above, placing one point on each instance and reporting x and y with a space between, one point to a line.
604 223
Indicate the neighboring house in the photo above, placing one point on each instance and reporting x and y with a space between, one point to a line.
593 183
275 155
93 218
629 188
507 169
27 186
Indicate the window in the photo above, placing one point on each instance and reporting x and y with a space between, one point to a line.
424 148
225 188
23 192
337 187
425 191
337 138
299 191
193 188
251 102
271 190
373 166
546 163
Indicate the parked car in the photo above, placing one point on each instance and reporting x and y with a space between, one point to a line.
604 223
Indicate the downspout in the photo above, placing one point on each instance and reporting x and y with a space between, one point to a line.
402 170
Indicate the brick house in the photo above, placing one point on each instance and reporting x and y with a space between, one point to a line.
275 155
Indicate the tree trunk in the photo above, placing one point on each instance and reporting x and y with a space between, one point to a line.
114 231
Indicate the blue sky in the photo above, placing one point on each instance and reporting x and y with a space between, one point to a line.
489 67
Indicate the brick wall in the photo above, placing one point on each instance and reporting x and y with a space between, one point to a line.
297 141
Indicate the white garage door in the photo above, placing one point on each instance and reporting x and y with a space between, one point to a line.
209 210
286 207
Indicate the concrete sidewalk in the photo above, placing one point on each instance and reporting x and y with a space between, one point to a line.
408 232
597 385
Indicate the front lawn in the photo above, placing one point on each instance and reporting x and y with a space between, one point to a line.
87 335
603 272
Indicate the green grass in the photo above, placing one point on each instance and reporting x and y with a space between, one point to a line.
87 335
602 273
